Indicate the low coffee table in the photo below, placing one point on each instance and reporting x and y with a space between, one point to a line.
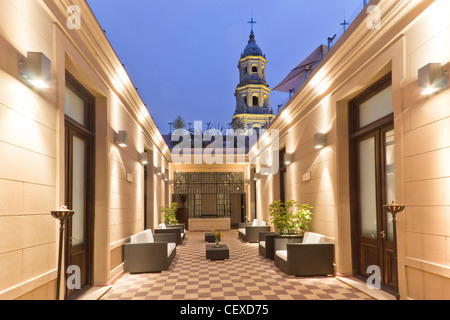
209 237
214 253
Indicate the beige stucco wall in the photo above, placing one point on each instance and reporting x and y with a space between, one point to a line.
412 34
32 147
28 135
426 154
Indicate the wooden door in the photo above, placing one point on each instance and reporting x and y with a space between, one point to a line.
375 187
79 188
372 172
78 237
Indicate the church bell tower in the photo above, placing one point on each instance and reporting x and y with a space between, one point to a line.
252 93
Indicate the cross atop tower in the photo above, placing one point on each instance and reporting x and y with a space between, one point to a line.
345 23
252 22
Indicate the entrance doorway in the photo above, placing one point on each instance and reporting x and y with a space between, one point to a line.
79 177
372 171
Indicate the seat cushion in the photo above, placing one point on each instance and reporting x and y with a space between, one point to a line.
139 238
162 226
258 223
312 238
242 230
170 247
262 244
149 236
182 235
282 254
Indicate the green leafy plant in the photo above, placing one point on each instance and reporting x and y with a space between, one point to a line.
290 217
218 235
169 214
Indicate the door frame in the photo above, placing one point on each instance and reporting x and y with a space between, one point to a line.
377 129
87 133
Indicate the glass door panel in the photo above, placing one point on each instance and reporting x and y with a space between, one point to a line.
78 191
389 146
367 183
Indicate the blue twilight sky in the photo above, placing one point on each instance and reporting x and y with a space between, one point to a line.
182 55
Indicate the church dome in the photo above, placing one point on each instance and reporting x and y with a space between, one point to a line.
252 49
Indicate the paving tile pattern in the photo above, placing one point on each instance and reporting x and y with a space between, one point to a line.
245 276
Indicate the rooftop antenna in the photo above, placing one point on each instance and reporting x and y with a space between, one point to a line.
279 107
330 41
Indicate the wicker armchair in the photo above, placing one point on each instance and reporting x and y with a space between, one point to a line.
177 229
312 257
147 252
249 232
266 244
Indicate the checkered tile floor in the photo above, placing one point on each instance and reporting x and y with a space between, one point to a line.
245 276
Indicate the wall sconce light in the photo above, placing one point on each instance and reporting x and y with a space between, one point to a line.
36 69
166 177
320 140
143 158
121 138
247 182
256 176
288 158
172 182
158 171
266 171
432 78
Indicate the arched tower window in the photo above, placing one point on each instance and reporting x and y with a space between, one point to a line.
245 101
255 101
266 101
255 69
245 70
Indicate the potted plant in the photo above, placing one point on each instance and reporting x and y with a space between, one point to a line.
290 218
169 214
218 235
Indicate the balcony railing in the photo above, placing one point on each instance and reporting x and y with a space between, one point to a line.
254 110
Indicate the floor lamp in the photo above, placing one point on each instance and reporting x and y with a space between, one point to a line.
394 209
62 215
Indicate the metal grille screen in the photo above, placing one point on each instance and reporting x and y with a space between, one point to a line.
208 194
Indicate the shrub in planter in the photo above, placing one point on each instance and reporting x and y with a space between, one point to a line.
291 217
169 214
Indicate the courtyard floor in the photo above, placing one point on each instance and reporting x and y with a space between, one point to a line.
245 276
